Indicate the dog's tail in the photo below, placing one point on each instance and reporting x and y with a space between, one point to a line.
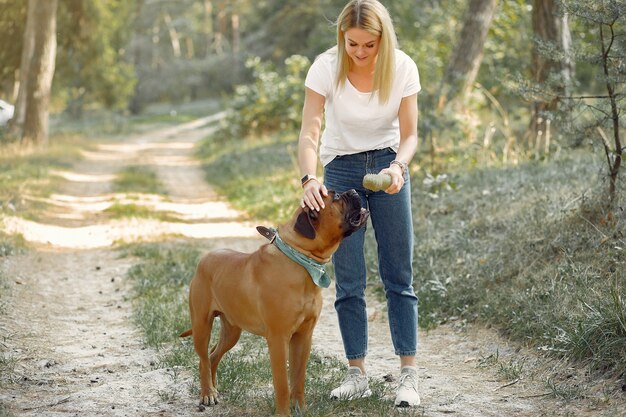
185 333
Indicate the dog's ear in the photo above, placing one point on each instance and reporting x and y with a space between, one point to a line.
305 223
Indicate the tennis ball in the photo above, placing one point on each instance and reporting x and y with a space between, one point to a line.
377 182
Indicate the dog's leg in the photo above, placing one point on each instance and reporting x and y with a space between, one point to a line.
201 337
229 336
299 351
278 346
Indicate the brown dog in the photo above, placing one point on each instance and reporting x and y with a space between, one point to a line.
270 295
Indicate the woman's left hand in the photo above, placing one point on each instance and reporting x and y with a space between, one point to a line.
397 178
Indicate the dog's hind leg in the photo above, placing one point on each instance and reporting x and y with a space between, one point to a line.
201 336
229 336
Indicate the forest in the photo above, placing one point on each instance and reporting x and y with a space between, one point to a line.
519 193
514 63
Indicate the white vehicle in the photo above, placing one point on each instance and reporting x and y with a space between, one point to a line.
6 112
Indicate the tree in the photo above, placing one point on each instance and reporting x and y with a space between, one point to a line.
12 21
16 126
95 65
40 69
550 63
600 106
464 63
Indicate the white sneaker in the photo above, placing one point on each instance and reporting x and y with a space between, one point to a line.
354 386
407 395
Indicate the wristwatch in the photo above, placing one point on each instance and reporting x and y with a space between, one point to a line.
402 165
307 178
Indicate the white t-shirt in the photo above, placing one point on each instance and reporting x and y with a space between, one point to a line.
355 121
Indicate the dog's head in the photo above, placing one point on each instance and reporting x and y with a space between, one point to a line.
342 215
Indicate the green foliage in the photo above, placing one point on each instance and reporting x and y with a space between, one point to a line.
592 103
93 69
12 24
426 32
159 284
5 412
605 52
273 102
106 123
10 245
121 210
512 248
178 54
259 176
504 245
26 174
598 334
507 51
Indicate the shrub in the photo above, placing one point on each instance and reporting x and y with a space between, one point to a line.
272 102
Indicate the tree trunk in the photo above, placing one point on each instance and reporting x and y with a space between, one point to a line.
16 126
218 39
208 27
616 158
549 29
40 72
174 38
136 104
465 61
236 42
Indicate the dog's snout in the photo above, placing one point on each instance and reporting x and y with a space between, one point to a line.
352 197
352 193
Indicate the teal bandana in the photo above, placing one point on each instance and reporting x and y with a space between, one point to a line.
315 269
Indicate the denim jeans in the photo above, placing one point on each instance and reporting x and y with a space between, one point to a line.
391 219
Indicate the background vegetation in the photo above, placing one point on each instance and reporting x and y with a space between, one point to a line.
514 225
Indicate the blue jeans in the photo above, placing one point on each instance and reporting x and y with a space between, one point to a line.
393 228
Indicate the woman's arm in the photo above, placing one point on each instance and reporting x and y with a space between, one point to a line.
407 116
312 114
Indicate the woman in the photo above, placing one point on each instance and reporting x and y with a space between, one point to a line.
366 90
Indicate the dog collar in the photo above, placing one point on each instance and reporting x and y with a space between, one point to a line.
316 270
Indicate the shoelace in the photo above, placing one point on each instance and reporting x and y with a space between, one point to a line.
351 379
408 380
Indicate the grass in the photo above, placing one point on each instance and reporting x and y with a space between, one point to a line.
5 412
104 123
258 176
28 172
9 245
514 248
160 281
138 179
135 180
529 248
124 211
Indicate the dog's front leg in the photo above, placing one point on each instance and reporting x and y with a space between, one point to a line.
299 351
277 345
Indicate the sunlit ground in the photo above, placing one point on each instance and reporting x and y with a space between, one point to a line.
193 209
114 231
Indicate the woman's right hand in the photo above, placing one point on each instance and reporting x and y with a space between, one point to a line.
313 193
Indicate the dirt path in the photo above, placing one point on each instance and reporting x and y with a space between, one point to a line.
68 324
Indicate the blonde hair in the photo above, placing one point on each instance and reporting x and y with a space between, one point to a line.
373 17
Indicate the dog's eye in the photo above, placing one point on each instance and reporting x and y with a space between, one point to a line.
336 197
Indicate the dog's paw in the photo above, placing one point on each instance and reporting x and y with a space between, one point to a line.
209 399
